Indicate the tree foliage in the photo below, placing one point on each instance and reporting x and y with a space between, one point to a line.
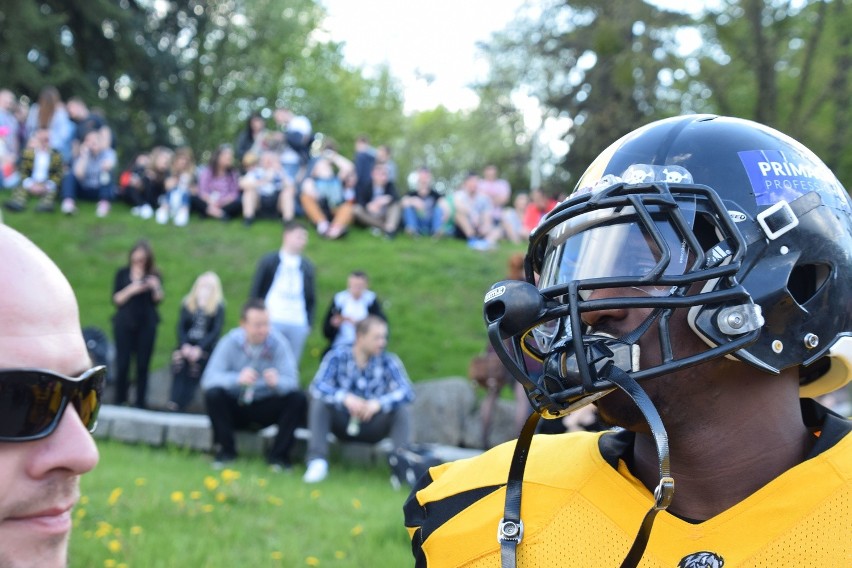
604 65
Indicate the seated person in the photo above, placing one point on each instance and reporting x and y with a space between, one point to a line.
267 189
540 205
179 186
421 214
251 382
325 199
469 212
90 176
347 308
218 193
360 392
41 167
146 196
202 314
377 204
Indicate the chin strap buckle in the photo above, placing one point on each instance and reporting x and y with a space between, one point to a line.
510 531
663 494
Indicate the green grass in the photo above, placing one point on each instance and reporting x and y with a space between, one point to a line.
431 290
145 507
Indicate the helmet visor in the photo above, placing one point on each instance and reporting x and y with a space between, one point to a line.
617 244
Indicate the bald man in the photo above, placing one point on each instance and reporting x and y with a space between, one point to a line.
49 398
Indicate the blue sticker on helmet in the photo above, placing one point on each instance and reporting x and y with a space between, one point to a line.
774 178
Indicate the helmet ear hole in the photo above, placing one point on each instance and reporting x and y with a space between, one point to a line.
806 280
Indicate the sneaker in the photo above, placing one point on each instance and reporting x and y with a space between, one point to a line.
479 244
162 215
15 205
316 472
46 204
376 232
222 460
146 211
276 466
182 217
68 207
102 209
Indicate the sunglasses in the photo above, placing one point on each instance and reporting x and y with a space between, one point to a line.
32 401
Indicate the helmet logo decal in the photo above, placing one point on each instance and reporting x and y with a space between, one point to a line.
737 216
701 559
638 174
495 293
774 178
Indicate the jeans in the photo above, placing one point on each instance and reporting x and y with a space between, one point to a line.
429 223
73 189
324 418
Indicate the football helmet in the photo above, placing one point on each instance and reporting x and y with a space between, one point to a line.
731 220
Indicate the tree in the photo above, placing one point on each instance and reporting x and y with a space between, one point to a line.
785 64
606 66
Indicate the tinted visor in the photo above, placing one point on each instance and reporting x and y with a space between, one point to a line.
618 244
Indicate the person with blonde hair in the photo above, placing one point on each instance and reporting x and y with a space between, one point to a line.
202 314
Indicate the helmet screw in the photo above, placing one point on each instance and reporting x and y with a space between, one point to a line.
735 320
777 346
811 340
784 250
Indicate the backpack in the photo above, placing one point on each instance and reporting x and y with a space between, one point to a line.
410 463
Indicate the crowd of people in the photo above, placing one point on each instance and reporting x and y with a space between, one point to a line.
249 376
56 153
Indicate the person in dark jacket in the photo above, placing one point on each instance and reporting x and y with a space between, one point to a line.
137 290
202 314
286 282
377 205
347 308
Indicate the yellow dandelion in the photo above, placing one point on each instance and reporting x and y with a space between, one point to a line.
230 475
339 554
177 497
211 483
104 529
80 513
315 352
315 494
207 508
109 563
312 561
262 482
277 501
277 555
84 500
136 530
356 530
114 546
195 495
140 481
356 503
113 496
221 497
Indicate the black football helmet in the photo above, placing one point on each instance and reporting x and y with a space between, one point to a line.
735 221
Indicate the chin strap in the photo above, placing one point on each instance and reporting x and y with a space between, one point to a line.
511 528
510 531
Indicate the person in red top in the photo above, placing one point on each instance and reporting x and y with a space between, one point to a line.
540 204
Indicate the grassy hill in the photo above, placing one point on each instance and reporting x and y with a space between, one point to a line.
431 290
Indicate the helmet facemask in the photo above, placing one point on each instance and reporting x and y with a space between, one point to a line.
652 246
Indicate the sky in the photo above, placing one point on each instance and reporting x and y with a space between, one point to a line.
429 46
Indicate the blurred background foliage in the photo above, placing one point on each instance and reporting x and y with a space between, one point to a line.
567 77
